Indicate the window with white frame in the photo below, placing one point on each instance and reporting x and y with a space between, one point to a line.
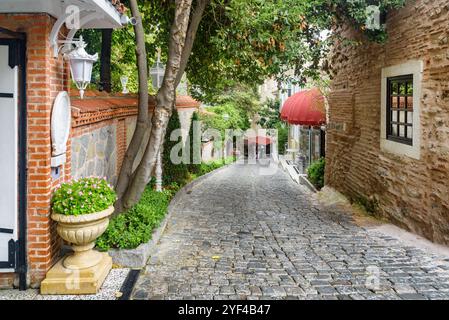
401 94
400 109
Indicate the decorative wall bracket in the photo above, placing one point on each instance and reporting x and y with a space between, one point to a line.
66 45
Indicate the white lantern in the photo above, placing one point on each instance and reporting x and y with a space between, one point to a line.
157 72
81 64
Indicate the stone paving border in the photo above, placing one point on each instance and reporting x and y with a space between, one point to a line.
138 257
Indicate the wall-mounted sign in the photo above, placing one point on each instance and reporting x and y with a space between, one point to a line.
60 128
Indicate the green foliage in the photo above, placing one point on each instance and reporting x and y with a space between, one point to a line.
83 196
173 172
191 166
215 118
270 114
250 40
270 118
242 41
355 12
239 103
123 49
207 167
282 129
316 173
134 227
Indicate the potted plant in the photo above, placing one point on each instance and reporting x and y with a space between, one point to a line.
82 209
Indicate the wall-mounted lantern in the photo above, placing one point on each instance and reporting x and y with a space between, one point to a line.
81 64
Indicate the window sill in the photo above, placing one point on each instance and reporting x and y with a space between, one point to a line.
400 149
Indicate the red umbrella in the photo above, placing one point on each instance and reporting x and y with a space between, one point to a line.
305 108
259 140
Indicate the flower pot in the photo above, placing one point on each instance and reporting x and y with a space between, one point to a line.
81 232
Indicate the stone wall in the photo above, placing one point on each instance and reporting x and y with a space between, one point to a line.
95 154
413 193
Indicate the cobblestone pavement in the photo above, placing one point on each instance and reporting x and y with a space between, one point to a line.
241 235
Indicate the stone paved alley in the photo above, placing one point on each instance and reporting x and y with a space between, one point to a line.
242 235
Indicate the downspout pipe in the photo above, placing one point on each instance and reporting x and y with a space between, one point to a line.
22 267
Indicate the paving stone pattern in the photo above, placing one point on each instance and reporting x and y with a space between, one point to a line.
243 235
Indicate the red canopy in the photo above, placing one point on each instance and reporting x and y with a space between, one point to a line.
259 140
305 108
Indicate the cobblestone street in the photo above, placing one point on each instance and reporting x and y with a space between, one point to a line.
242 235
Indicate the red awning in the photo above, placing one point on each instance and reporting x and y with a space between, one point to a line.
260 140
305 108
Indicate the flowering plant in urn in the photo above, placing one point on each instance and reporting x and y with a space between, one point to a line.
82 209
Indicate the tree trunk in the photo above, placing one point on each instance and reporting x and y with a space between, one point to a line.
142 124
105 60
165 99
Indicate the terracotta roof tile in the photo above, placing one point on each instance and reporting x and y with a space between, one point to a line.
95 101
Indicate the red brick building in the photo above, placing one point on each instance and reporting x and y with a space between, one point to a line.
32 73
388 137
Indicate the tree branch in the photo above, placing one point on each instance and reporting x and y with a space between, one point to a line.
197 16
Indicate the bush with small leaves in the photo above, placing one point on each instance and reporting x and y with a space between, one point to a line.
83 196
316 173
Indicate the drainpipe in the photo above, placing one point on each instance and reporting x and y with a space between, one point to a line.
21 266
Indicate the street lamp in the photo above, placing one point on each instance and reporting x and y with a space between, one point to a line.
81 64
157 72
124 82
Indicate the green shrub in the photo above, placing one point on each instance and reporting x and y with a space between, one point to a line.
207 167
316 173
83 196
282 129
193 168
134 227
172 172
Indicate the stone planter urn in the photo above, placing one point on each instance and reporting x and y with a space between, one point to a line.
81 232
83 271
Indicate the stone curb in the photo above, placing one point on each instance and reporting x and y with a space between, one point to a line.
305 182
137 258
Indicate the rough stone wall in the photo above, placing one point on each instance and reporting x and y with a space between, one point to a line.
411 193
95 153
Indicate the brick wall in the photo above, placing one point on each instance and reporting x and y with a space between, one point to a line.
411 193
46 76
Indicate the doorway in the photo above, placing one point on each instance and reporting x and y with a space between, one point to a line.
13 155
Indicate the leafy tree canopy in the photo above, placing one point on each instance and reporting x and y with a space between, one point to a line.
246 41
250 40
